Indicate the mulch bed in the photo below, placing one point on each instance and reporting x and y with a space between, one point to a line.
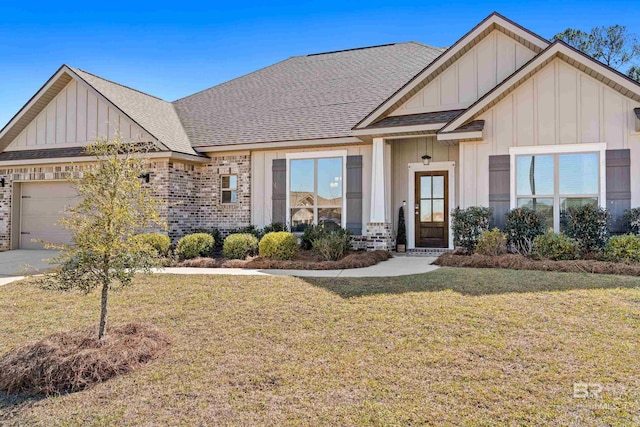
518 262
304 260
74 360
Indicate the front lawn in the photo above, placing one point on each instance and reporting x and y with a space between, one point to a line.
455 346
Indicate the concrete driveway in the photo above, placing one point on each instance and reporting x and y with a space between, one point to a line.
16 264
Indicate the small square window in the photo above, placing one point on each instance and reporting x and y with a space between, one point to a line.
229 188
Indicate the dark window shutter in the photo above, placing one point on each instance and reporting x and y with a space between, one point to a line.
618 187
279 192
354 195
499 188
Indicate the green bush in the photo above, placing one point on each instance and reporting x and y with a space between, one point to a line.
214 232
468 224
158 241
492 243
625 248
275 226
631 220
334 245
522 226
240 246
278 245
311 234
554 246
588 225
195 245
249 229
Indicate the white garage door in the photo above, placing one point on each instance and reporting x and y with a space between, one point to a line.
41 206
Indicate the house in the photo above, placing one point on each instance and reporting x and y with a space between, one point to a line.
502 118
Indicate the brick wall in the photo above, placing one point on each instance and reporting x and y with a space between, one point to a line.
214 213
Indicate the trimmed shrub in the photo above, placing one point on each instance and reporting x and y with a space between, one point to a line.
631 220
249 229
158 241
213 232
240 246
195 245
468 224
333 246
401 237
311 234
625 248
492 243
280 245
555 246
275 226
522 226
588 225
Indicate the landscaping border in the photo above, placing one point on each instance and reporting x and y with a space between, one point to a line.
519 262
358 259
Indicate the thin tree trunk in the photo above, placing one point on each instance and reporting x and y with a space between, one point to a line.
103 310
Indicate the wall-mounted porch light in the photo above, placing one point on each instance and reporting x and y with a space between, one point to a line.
145 176
426 159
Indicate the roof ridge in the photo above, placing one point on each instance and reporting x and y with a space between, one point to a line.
119 84
370 47
351 49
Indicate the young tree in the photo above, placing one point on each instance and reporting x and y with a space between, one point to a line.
614 45
114 206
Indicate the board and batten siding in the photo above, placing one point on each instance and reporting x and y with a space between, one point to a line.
262 180
474 74
75 117
558 105
411 150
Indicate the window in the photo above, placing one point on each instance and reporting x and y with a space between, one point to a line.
315 192
229 188
551 183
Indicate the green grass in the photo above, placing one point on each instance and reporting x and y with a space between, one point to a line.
456 346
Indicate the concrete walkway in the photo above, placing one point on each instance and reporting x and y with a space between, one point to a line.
396 266
15 265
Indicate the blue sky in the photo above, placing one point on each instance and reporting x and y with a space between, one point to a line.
172 49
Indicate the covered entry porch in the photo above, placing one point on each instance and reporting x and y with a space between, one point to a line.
414 167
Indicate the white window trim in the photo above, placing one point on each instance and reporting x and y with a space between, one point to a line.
599 147
319 155
223 189
449 167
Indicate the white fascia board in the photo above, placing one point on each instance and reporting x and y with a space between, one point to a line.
280 144
450 136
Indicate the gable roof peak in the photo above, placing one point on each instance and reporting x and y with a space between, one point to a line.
494 21
76 69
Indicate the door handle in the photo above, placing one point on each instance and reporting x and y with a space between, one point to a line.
416 210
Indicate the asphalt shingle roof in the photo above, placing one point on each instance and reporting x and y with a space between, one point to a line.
304 97
416 119
156 116
49 153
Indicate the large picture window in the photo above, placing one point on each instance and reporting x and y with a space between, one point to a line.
551 183
315 192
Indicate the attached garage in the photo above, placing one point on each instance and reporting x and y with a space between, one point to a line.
41 206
